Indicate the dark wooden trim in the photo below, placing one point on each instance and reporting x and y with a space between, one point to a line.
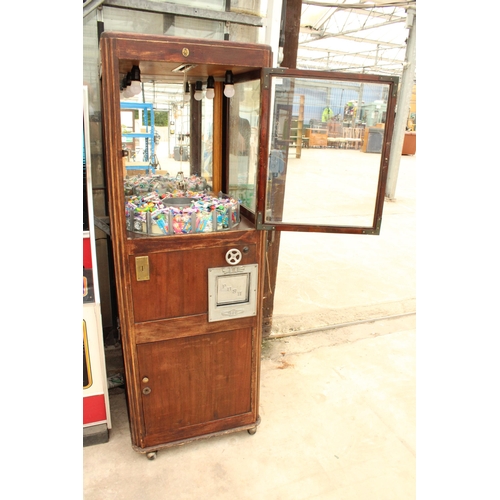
195 136
114 171
156 447
292 30
240 235
273 239
187 326
217 152
225 144
204 430
138 47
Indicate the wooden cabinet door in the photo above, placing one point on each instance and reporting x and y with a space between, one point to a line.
196 385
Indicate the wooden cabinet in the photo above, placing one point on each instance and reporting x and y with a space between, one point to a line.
192 368
190 377
318 137
409 143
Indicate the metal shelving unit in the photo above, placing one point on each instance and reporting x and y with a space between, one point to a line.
148 120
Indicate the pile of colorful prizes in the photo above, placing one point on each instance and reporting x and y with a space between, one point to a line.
162 212
165 185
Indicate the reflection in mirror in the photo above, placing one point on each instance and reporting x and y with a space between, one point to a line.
166 190
164 144
325 151
244 118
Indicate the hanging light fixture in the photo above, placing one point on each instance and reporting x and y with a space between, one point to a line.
127 92
135 80
229 84
198 90
186 92
210 93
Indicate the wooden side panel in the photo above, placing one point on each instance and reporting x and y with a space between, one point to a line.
114 177
196 382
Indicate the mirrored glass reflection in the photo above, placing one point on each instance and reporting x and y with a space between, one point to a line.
325 151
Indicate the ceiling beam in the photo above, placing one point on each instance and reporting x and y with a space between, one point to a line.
343 34
337 59
389 69
176 9
365 52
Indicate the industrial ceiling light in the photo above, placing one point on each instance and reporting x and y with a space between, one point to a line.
210 93
198 91
135 80
228 84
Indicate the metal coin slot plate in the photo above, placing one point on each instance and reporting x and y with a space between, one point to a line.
232 292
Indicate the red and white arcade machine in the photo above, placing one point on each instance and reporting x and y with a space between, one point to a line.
96 415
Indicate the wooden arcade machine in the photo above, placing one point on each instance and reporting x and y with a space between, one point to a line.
189 251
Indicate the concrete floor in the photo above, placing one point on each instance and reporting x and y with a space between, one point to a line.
338 422
326 279
337 384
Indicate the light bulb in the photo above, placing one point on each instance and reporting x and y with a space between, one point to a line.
135 87
229 90
210 93
126 85
228 84
198 93
135 80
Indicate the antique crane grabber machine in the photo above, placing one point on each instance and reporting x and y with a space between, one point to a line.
190 248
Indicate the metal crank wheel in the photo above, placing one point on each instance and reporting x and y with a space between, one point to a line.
233 256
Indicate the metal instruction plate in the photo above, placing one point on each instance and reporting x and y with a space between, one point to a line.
232 292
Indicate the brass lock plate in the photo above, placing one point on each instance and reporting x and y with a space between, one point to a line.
142 268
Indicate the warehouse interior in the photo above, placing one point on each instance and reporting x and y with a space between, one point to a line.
347 358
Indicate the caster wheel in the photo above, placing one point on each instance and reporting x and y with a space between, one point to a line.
151 455
252 431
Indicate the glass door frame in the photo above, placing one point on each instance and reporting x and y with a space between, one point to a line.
264 154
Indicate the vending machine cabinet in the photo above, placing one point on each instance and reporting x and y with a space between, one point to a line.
96 413
190 250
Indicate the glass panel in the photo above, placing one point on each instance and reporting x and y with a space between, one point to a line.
166 192
244 123
207 141
325 151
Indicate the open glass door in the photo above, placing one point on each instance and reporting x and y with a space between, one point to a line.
328 144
